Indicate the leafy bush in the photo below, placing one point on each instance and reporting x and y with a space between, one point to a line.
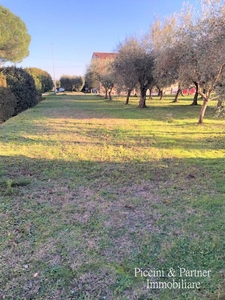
7 100
8 103
22 85
43 80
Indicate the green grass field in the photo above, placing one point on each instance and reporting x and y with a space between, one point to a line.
92 190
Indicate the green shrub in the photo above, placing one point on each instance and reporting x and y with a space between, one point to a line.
7 100
46 81
43 80
22 85
8 104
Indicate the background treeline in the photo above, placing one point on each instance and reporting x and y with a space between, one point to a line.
21 89
72 83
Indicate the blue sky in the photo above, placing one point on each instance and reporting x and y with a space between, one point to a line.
70 31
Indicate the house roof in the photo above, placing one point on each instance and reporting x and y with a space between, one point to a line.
103 55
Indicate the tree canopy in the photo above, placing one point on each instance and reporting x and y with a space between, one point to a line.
127 77
134 65
197 50
101 71
186 49
14 38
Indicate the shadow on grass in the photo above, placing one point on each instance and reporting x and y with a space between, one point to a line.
204 174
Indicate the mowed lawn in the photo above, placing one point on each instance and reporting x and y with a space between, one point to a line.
99 200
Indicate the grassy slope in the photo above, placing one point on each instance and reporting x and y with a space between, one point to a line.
90 190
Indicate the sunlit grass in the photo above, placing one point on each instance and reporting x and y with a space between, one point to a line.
91 189
56 137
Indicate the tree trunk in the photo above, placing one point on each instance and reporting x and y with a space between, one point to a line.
203 109
207 96
160 94
142 102
220 103
158 90
150 93
106 93
195 100
110 97
128 96
176 97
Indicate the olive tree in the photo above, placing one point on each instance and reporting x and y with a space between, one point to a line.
72 82
162 38
65 82
100 72
197 50
91 77
144 66
77 83
203 51
126 78
134 64
14 38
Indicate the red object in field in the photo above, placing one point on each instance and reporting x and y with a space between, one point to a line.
185 92
190 91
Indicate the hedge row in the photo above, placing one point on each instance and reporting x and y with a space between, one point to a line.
18 92
43 80
7 104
